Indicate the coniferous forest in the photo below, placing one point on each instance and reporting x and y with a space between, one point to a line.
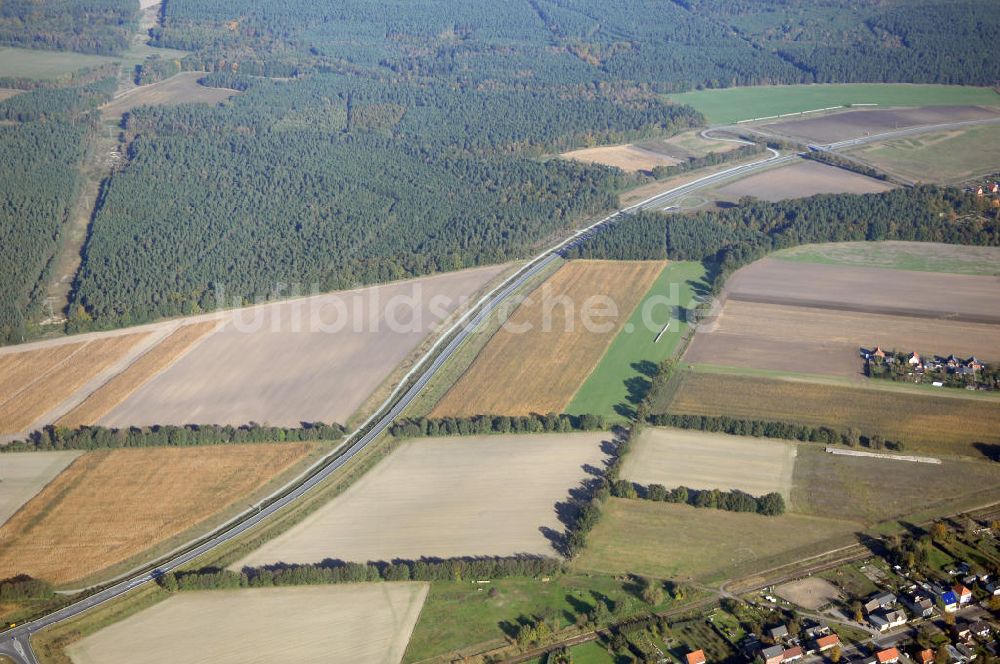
381 140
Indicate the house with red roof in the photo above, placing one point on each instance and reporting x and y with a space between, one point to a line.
887 656
824 643
696 657
962 594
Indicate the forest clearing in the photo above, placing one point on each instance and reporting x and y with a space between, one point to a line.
182 88
629 158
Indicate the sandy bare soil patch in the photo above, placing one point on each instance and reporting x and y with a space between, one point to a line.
853 124
152 362
469 496
47 390
809 593
315 359
539 359
956 297
803 178
109 505
182 88
7 93
24 475
631 158
702 460
824 341
308 625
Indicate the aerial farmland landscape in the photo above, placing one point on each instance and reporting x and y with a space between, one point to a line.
529 332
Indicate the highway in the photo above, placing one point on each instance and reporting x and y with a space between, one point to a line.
14 642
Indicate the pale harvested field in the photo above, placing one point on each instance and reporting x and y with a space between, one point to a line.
957 297
825 341
24 475
853 124
307 625
7 93
803 178
109 505
151 363
261 367
630 158
703 460
810 593
945 422
468 496
62 380
540 370
182 88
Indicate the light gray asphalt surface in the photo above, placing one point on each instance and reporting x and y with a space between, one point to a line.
18 636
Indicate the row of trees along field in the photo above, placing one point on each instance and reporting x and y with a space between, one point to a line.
98 437
737 236
39 154
337 180
770 504
338 571
104 27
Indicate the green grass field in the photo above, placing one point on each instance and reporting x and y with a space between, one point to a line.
947 157
734 104
459 614
35 63
874 490
677 541
918 256
591 652
620 379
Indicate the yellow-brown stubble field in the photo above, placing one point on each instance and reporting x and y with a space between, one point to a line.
110 505
540 370
35 384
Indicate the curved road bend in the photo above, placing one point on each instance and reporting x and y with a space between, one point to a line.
375 425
